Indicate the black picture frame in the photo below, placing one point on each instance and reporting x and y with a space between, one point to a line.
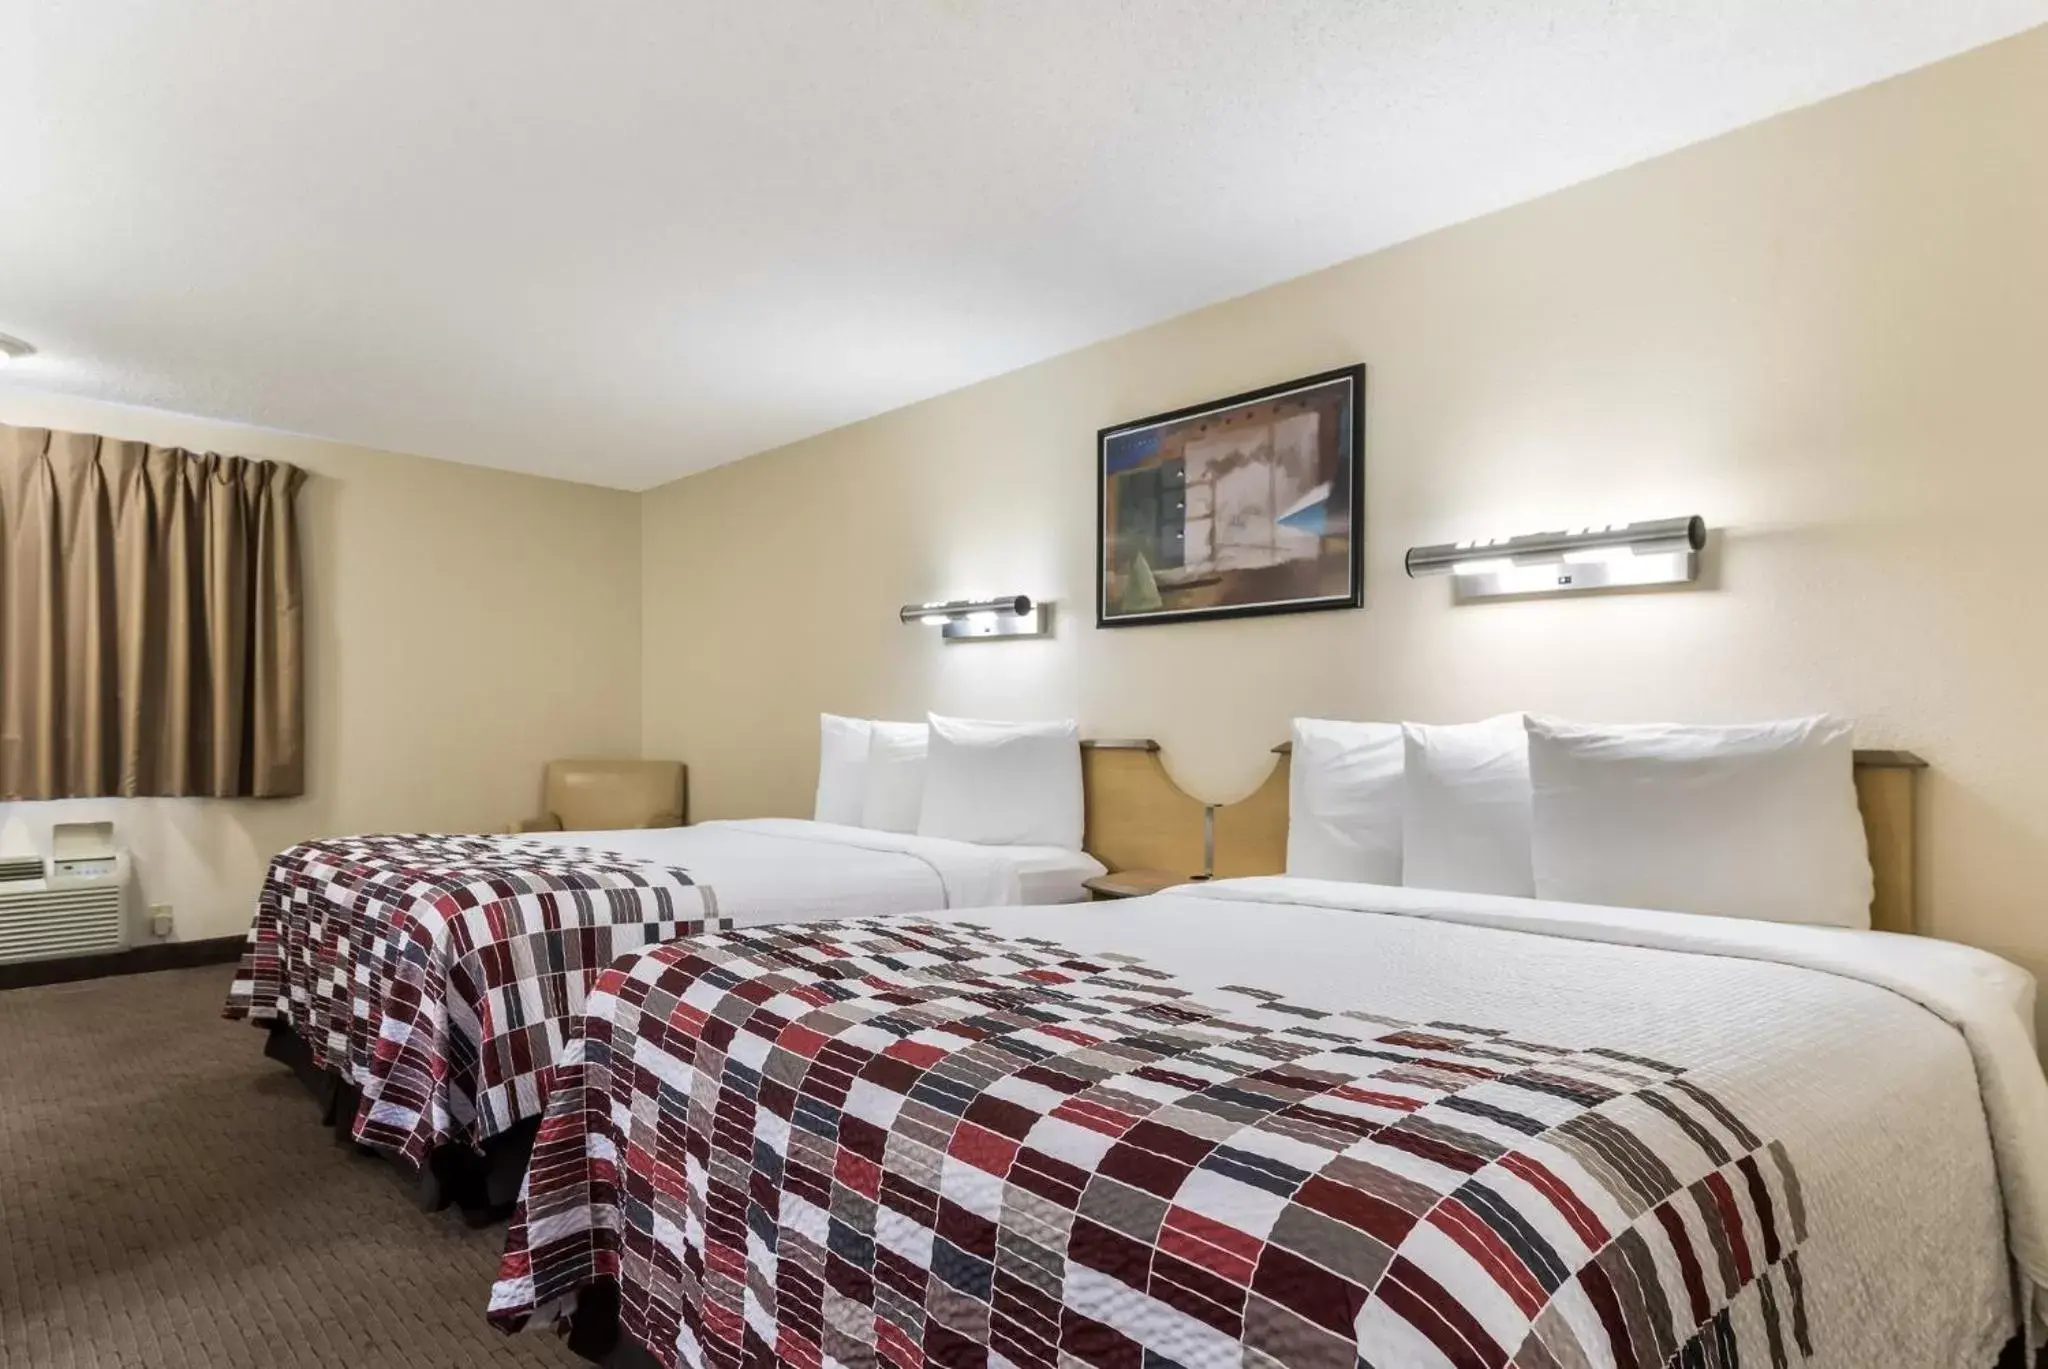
1144 524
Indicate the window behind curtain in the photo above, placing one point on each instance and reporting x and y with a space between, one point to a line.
150 621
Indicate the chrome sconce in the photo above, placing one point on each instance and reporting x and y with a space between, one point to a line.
1659 551
971 620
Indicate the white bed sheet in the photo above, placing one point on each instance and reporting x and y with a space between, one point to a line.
1052 874
1903 1066
783 869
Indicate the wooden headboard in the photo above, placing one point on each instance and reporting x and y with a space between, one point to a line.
1140 819
1137 817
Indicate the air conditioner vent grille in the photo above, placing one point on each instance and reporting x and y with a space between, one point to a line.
37 923
16 868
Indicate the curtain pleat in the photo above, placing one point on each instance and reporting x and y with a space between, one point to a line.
151 632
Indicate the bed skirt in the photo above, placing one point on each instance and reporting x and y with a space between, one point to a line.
594 1332
484 1186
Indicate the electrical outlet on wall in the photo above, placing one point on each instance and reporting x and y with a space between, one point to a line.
160 919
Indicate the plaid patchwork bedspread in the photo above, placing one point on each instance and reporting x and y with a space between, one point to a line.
899 1144
443 974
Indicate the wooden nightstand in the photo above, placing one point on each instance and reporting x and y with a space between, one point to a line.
1131 883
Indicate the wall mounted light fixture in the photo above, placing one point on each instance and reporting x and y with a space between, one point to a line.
1659 551
971 620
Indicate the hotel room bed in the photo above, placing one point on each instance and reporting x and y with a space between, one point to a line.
1293 1122
425 983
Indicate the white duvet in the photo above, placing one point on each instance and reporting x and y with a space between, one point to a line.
763 870
1900 1070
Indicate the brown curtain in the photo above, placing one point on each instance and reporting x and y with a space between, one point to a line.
150 621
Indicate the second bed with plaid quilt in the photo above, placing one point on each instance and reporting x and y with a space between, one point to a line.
441 975
901 1144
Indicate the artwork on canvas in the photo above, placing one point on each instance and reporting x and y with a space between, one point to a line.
1251 504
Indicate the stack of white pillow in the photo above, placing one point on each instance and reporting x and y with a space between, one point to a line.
993 783
1756 820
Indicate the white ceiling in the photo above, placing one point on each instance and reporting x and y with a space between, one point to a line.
619 242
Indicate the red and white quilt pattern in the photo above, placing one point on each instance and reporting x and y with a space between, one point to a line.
443 974
890 1143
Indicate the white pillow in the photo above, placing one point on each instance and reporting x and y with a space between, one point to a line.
894 788
1755 821
1344 801
1003 784
1465 801
842 768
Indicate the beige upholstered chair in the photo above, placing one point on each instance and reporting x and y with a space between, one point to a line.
609 796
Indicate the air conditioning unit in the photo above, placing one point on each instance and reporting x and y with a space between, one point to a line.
72 904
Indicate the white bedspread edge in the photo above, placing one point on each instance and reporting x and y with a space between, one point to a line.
1988 999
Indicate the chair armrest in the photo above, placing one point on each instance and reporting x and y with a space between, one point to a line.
550 823
664 820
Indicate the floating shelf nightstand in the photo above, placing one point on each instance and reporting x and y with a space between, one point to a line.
1132 883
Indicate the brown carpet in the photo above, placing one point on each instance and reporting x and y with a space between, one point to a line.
168 1198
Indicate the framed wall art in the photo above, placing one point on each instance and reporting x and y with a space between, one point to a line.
1247 505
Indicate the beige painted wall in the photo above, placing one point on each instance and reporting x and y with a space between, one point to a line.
1828 334
464 626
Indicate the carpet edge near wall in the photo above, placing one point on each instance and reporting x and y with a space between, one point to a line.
162 955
